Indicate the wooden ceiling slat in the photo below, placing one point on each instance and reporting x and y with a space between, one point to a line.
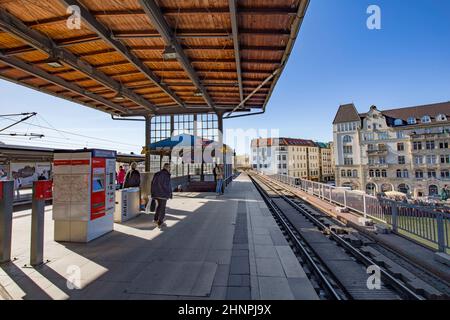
203 30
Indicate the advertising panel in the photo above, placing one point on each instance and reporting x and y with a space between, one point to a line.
29 172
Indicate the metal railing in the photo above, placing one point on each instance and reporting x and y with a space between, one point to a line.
427 225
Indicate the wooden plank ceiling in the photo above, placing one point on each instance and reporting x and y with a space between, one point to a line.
114 62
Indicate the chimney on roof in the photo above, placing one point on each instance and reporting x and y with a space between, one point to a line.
373 107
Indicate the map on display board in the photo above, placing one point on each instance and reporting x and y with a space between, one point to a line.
71 188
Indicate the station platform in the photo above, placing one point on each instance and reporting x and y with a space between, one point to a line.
213 247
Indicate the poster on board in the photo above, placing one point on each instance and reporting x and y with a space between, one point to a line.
3 172
29 172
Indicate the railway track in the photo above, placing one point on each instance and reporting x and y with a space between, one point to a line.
339 260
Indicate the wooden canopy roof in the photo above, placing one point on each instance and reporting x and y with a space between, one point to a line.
229 53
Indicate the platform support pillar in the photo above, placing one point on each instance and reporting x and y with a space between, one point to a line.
6 210
37 228
148 127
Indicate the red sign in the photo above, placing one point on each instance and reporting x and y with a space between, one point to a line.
1 190
43 190
75 162
98 193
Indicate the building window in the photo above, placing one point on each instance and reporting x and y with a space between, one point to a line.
431 159
429 145
399 173
284 165
348 149
284 157
398 122
355 174
419 174
371 173
441 117
371 188
425 119
432 174
370 147
445 174
443 145
349 173
400 146
411 120
418 159
445 158
384 173
383 135
401 160
400 134
348 161
417 145
347 139
368 136
382 160
433 190
405 173
377 173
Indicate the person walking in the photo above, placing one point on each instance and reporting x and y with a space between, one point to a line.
132 178
121 176
17 186
215 173
445 193
161 192
219 179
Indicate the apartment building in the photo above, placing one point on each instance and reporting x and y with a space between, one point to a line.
298 158
405 149
326 164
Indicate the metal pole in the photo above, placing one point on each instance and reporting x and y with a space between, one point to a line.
37 228
365 206
345 198
440 232
6 209
148 127
394 215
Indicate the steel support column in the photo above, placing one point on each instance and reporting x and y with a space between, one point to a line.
148 127
6 209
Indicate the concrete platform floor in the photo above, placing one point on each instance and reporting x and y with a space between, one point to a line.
226 247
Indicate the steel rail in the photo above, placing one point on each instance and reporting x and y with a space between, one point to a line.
327 286
386 276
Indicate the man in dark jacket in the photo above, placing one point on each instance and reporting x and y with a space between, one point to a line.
132 178
161 192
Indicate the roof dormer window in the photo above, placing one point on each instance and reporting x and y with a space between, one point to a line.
425 119
411 120
441 117
398 122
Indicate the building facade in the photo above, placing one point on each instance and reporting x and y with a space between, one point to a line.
298 158
405 150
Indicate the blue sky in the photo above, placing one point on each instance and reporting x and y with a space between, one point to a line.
336 60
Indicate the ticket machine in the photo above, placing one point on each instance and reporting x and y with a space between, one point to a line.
84 194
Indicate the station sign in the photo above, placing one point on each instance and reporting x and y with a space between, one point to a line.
43 190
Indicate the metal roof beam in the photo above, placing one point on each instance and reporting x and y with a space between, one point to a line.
25 49
95 25
237 53
21 65
170 11
159 22
41 42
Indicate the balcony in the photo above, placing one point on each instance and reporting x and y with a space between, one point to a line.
423 136
377 152
378 165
